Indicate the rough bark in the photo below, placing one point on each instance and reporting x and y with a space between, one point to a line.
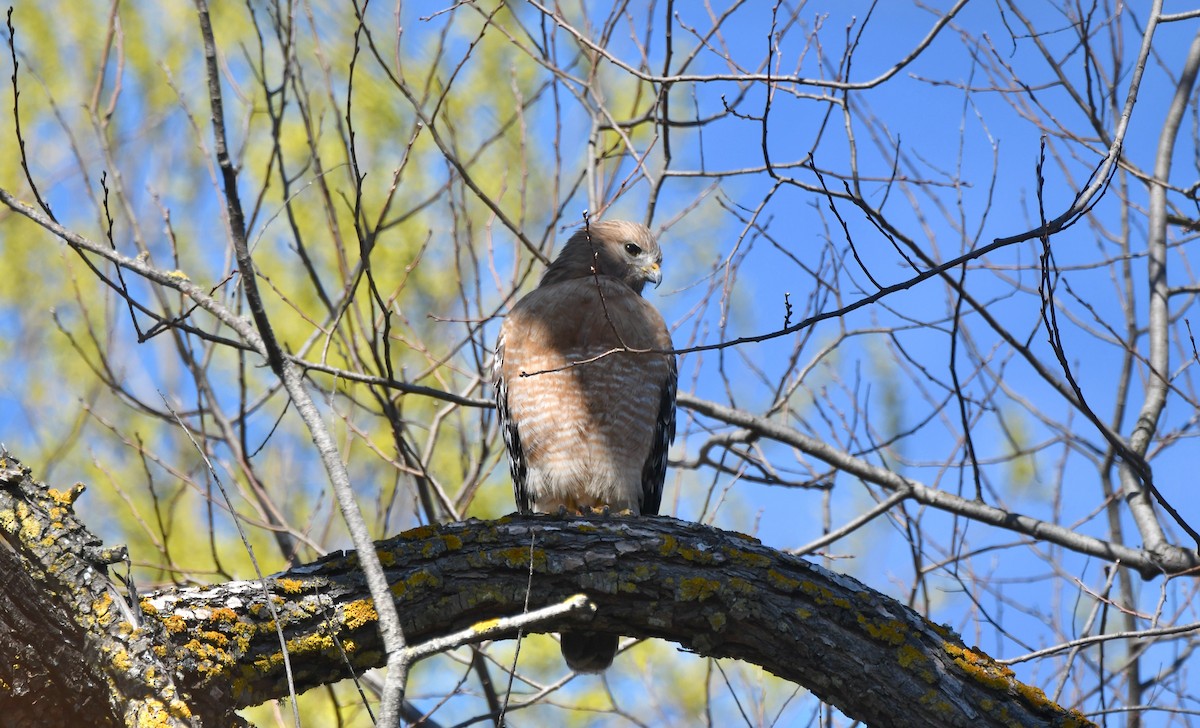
714 592
70 655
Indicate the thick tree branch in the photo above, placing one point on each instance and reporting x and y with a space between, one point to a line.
714 592
69 654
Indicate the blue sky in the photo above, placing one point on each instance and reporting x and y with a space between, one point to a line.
976 154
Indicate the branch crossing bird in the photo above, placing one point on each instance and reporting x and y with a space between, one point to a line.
585 392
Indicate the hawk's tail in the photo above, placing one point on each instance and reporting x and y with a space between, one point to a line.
588 651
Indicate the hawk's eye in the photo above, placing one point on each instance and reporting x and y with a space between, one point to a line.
633 249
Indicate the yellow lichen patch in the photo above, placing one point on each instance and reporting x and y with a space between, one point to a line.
697 588
148 608
485 625
418 533
518 556
209 658
935 700
1033 694
717 621
266 663
310 643
803 613
746 558
241 636
943 630
174 624
912 659
781 581
419 580
151 712
744 536
669 545
890 631
223 614
360 612
983 669
823 595
290 586
214 638
101 606
739 585
696 556
27 528
122 661
1075 719
441 544
64 497
908 656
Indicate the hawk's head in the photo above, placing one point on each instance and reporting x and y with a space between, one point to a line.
621 249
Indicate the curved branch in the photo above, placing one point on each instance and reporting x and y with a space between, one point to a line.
716 593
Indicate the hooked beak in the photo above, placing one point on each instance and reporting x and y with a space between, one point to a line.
653 274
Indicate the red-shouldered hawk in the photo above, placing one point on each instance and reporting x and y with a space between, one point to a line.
587 422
